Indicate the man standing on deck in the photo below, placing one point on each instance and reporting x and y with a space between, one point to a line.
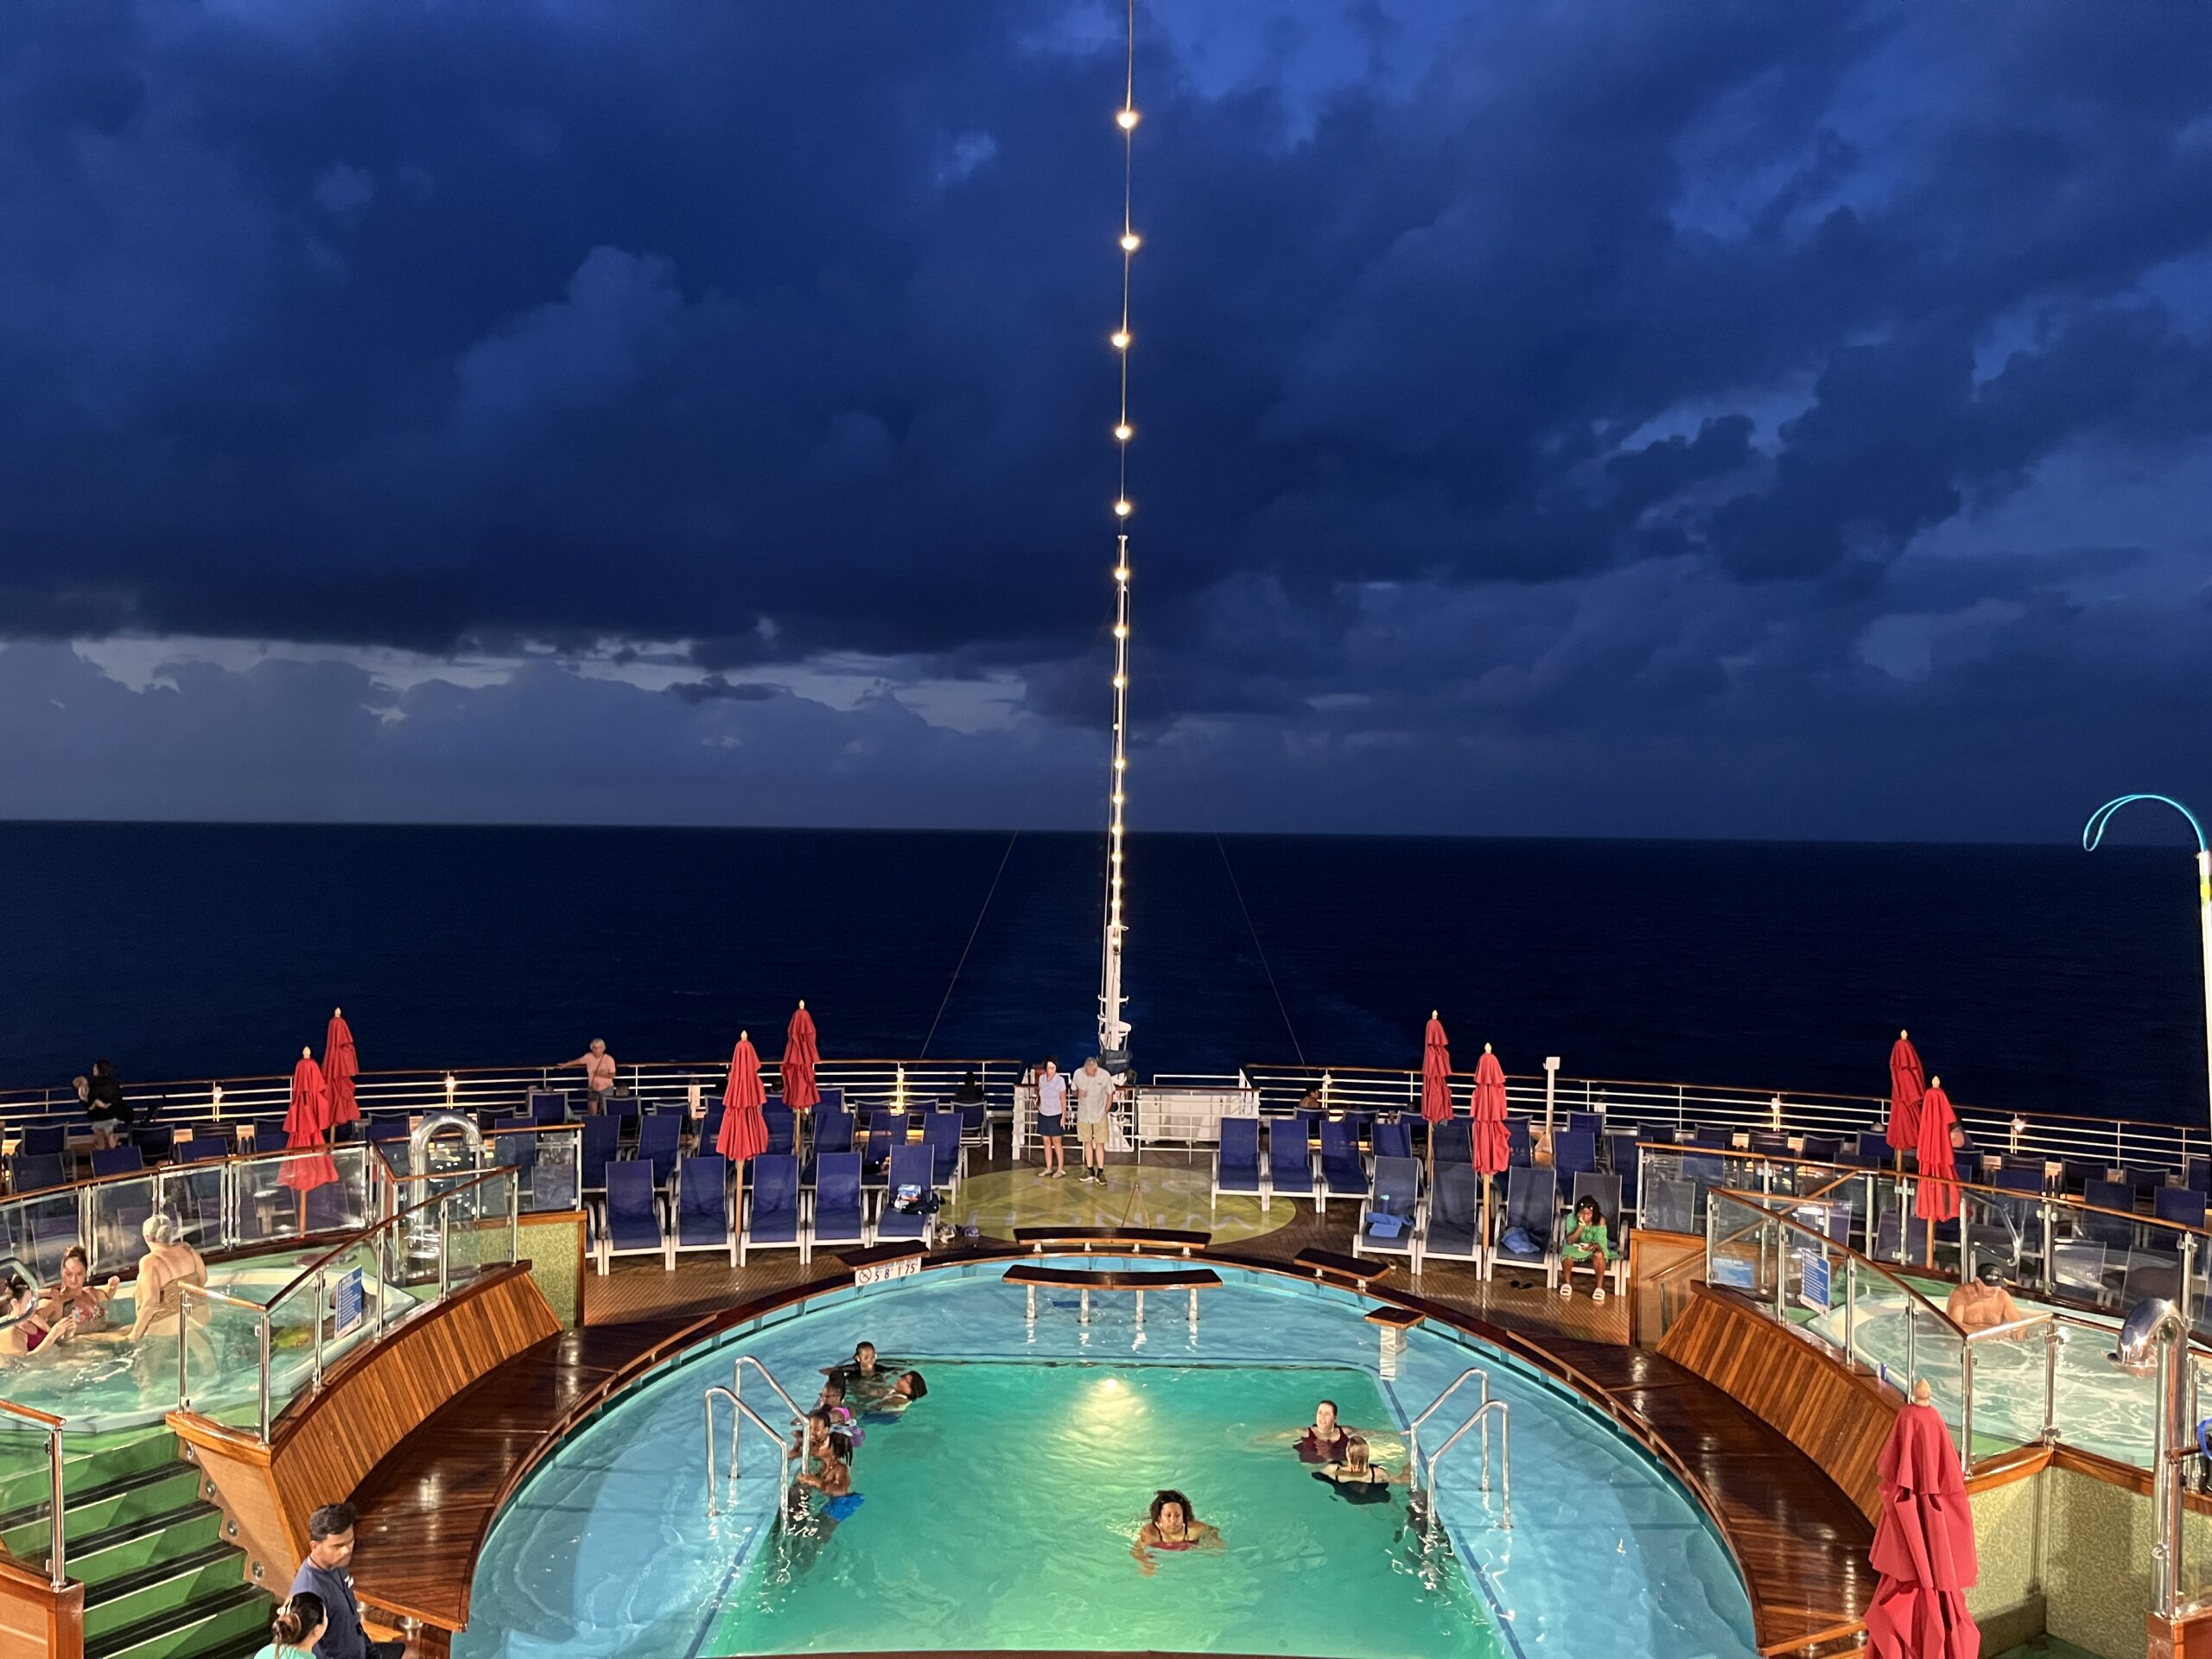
1094 1100
599 1074
324 1573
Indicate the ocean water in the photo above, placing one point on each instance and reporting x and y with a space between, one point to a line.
2034 979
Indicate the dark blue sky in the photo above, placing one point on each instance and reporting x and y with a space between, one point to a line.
1577 418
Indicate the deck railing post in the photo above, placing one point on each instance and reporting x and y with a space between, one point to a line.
264 1367
2050 1383
1850 1307
1966 1407
320 1289
57 1567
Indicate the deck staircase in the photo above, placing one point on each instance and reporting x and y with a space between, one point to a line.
162 1580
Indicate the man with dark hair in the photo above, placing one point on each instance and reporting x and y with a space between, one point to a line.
330 1552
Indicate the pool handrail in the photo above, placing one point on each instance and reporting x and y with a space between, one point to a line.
783 1485
1504 1410
1412 1429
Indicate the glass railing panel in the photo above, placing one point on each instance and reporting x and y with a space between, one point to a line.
36 1230
1741 1244
322 1316
477 1227
115 1215
2011 1378
1936 1350
220 1372
553 1176
26 1476
194 1196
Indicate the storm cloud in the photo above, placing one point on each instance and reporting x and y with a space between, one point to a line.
1577 417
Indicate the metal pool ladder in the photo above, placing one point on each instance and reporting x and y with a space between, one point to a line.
739 1412
1480 1415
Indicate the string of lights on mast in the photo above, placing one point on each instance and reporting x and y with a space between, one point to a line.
1113 1030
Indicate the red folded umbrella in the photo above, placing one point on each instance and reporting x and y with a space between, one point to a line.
1435 1073
1936 1198
340 1063
306 1122
1493 1147
800 1054
1907 1085
1924 1546
744 1131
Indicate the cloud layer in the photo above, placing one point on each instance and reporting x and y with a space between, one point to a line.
1583 417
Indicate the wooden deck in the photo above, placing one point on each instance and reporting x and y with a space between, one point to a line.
427 1508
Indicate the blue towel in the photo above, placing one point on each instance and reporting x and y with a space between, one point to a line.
1516 1242
1383 1226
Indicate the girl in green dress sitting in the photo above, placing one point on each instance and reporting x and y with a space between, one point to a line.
1586 1244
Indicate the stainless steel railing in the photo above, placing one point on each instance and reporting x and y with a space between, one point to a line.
1504 1410
740 1411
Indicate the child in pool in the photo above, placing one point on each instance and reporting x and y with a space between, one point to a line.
906 1387
1171 1527
841 1414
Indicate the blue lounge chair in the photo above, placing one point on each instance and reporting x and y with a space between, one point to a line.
43 1140
202 1149
701 1217
2108 1229
782 1127
833 1100
886 1131
601 1136
707 1130
1390 1218
1452 1141
117 1160
1590 1123
2182 1205
34 1172
548 1106
839 1215
772 1211
1451 1229
1394 1138
382 1129
1344 1173
1575 1152
1236 1159
1818 1150
1606 1189
1531 1207
658 1134
632 1224
948 1158
1520 1142
910 1174
1290 1162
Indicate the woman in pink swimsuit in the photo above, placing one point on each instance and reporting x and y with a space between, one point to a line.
1171 1527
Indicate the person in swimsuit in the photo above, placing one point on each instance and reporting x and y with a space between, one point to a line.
74 1307
1326 1439
19 1335
830 1473
1983 1303
859 1374
1586 1244
841 1414
1358 1479
169 1263
906 1387
1171 1527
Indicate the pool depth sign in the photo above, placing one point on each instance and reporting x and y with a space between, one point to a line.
877 1272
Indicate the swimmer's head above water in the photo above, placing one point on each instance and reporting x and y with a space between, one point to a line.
1171 1511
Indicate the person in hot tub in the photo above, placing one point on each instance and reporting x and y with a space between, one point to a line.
1171 1527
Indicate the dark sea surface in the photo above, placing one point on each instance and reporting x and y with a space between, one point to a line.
2033 979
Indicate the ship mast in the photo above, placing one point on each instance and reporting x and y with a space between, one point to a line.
1113 1030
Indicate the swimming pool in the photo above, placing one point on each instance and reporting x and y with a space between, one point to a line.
998 1512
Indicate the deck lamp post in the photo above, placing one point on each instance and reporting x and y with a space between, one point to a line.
2094 831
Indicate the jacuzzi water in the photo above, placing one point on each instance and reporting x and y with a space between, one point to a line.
104 1381
998 1512
2100 1408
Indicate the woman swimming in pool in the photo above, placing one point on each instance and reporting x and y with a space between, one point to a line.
1324 1439
1171 1527
1358 1479
906 1387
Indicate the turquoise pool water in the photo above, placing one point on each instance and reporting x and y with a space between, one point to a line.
1063 1460
999 1510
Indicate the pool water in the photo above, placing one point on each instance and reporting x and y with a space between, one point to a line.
999 1511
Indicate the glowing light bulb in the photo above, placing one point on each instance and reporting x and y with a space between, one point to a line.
1117 801
1120 573
1119 682
1121 509
1117 858
1120 338
1130 241
1125 120
1120 631
1125 431
1119 763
